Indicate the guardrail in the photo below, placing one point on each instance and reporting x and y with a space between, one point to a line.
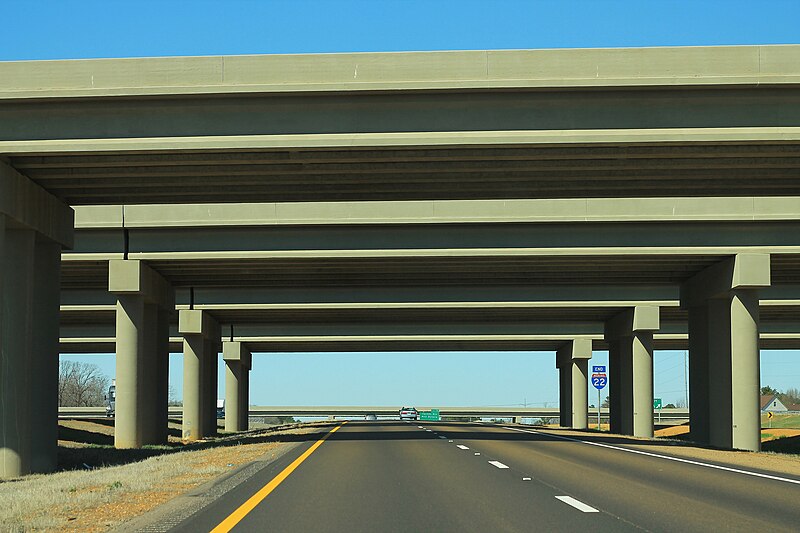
341 411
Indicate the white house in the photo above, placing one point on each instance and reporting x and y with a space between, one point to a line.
771 402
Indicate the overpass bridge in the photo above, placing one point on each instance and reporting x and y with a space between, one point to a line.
557 200
669 414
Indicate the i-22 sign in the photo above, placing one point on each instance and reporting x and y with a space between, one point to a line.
599 381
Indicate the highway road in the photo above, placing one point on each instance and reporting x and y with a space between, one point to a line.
443 476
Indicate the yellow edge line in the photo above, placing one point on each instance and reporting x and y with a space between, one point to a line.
237 516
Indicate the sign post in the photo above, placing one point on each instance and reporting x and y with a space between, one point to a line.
599 381
657 405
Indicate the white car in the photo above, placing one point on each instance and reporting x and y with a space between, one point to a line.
408 413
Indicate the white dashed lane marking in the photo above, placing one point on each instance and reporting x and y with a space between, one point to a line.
569 500
477 453
462 447
498 464
668 458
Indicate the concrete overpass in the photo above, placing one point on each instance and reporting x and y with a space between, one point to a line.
669 414
552 199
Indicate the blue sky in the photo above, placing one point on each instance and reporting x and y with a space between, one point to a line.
61 29
84 29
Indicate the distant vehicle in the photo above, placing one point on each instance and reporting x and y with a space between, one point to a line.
408 413
370 416
220 408
111 399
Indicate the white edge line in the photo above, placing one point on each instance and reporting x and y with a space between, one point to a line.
498 464
677 459
579 505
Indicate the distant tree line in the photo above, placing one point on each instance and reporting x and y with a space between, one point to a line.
81 385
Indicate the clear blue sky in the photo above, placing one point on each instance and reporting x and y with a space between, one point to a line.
74 29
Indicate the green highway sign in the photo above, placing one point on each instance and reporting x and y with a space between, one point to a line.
656 403
432 415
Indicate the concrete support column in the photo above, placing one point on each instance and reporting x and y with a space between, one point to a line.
198 329
141 296
34 226
237 360
572 360
581 352
162 375
699 385
16 321
44 356
211 386
244 413
564 365
630 338
615 386
723 305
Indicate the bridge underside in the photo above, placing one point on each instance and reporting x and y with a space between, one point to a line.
627 200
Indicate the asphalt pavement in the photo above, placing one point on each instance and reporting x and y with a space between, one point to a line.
440 476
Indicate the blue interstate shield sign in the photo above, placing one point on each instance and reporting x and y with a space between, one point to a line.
599 381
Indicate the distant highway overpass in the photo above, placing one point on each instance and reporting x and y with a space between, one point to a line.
345 411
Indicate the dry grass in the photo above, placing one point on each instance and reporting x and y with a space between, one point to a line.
102 498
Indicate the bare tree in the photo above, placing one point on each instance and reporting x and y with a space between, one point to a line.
791 396
81 385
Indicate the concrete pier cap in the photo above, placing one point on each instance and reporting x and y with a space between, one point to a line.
198 322
742 271
636 319
236 351
134 277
